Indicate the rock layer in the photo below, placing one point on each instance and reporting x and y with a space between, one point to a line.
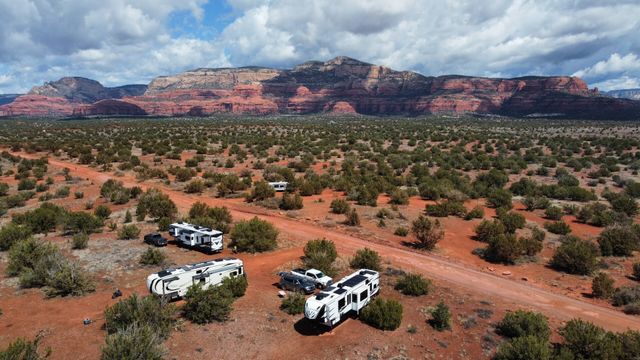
86 90
342 85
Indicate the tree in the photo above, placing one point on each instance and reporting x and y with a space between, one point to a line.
353 219
366 259
198 209
11 234
399 197
636 270
413 285
194 187
618 240
588 341
293 304
291 202
625 204
254 236
383 314
236 285
261 191
511 221
500 198
127 217
102 212
576 256
138 341
488 229
427 232
156 204
320 254
340 206
530 246
163 224
152 256
4 189
22 349
80 241
603 286
504 248
153 311
441 317
553 213
524 323
128 232
557 227
524 348
205 305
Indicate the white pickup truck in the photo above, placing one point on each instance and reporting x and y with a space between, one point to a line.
314 276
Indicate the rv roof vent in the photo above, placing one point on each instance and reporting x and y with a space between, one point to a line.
180 222
340 285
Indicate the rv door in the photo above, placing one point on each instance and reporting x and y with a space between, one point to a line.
193 240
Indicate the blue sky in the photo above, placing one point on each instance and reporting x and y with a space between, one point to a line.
122 41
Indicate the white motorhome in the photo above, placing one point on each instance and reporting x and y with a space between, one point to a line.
279 185
195 236
350 294
173 283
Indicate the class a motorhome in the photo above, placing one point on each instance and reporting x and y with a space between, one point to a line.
173 283
198 237
350 294
279 185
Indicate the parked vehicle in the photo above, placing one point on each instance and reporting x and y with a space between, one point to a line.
349 295
155 239
295 283
173 283
279 185
316 277
198 237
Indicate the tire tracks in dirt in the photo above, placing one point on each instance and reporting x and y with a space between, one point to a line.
519 293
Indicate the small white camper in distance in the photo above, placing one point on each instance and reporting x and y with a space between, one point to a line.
350 294
279 185
198 237
173 283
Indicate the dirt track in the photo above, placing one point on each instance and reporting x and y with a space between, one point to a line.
521 293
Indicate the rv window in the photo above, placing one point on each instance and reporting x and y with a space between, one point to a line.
198 271
201 280
341 303
234 273
240 271
348 299
363 295
355 298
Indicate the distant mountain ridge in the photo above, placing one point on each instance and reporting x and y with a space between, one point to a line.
7 98
633 94
342 85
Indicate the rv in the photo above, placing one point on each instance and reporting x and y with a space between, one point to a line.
279 186
348 295
173 283
195 236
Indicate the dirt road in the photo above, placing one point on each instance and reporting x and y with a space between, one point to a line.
520 293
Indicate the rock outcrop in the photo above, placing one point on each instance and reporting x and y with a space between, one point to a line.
38 105
341 85
86 90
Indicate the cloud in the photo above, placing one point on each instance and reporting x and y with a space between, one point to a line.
120 41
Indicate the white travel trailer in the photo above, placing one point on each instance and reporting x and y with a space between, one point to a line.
279 186
173 283
195 236
350 294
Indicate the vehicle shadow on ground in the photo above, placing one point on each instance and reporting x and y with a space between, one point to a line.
309 328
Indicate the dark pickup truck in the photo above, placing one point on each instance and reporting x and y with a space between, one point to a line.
155 239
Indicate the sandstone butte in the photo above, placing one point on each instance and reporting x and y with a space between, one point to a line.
341 85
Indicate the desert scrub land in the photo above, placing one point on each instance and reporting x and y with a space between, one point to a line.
494 215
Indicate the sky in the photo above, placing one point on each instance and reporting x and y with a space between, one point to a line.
120 42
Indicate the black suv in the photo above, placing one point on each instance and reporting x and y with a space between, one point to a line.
155 239
295 283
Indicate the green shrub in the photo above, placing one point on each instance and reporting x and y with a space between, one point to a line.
557 227
535 202
504 248
254 236
236 285
500 198
576 256
588 341
524 323
366 259
475 213
206 305
401 231
488 229
156 204
441 317
530 246
11 234
163 224
553 213
320 254
340 206
21 349
80 221
383 314
27 184
195 187
291 202
602 286
625 204
446 208
538 234
413 285
128 232
636 271
524 348
79 194
137 341
152 311
63 192
102 212
80 241
24 255
511 221
570 209
152 256
261 191
618 240
4 188
293 303
353 219
427 232
626 295
127 217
